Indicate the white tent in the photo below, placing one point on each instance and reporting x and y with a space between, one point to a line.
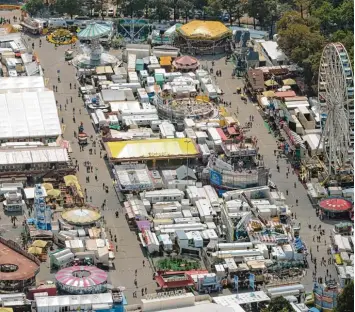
28 115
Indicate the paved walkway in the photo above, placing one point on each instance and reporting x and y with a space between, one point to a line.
267 144
129 256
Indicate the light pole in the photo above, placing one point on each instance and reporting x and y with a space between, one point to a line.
187 141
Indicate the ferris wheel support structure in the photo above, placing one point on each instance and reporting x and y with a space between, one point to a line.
336 97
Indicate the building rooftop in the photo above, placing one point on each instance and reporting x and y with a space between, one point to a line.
184 172
272 50
33 155
152 149
28 115
24 267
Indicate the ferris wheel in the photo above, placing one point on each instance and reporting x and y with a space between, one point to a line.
336 97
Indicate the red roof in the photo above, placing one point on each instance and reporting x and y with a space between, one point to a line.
284 94
221 134
335 204
231 131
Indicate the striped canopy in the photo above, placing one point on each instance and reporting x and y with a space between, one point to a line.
93 31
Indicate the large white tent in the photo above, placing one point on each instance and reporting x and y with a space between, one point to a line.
28 115
33 156
21 84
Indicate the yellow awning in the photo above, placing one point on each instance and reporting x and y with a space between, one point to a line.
269 93
35 250
47 186
289 82
39 243
270 83
165 60
54 193
73 180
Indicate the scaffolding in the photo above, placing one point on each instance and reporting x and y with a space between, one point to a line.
176 110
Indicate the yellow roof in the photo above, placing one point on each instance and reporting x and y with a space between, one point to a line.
73 180
35 250
39 243
81 216
165 60
152 149
204 30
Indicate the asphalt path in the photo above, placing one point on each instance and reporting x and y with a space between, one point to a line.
130 256
305 213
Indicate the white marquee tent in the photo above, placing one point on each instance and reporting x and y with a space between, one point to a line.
28 115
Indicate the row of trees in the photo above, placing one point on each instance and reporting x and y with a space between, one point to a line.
263 12
303 33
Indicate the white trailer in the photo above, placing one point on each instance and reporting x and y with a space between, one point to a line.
212 195
101 118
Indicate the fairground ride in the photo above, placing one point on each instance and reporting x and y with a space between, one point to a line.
336 97
134 30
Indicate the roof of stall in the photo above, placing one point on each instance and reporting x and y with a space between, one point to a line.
28 115
204 30
94 31
152 149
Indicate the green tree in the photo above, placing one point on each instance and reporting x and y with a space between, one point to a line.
134 7
70 7
302 6
257 9
234 8
214 8
347 39
34 7
302 44
345 301
160 10
185 7
279 304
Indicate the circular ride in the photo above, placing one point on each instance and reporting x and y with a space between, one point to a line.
203 37
177 109
335 207
93 54
336 95
82 280
61 37
81 216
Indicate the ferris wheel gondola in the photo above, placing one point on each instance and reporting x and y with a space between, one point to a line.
336 97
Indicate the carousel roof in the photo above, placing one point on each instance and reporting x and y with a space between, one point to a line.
186 62
94 31
81 216
81 276
335 204
204 30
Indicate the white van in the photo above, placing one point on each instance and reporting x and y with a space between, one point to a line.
57 23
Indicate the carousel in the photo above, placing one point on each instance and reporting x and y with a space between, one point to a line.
186 63
335 207
81 280
93 54
61 37
81 216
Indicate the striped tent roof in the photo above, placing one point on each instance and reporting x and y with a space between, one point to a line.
93 31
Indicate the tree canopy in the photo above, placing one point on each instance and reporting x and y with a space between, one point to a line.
303 34
279 304
70 7
34 7
345 300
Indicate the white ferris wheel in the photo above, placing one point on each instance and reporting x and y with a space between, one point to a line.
336 97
